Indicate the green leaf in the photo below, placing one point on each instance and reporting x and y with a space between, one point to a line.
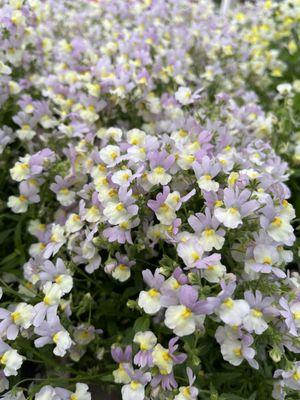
141 324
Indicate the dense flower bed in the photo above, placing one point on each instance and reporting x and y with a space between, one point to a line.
146 221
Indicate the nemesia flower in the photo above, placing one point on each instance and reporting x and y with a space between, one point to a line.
149 154
149 300
183 319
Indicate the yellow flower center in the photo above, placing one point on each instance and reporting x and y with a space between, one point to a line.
228 303
15 316
186 391
3 359
134 385
296 376
277 221
237 351
166 356
209 232
195 256
55 337
120 207
58 279
257 313
22 197
47 300
182 133
153 292
64 191
175 285
112 193
159 170
207 177
186 313
124 225
267 260
218 203
296 315
24 166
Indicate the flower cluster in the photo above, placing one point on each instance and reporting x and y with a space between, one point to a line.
148 205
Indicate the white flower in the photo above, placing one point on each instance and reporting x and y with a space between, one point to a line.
232 351
120 375
230 217
295 310
254 321
122 177
25 133
116 213
57 234
21 169
134 390
65 282
23 315
232 312
114 133
147 340
46 393
109 155
209 239
4 69
214 272
284 89
185 393
280 230
265 254
81 392
121 273
74 223
53 293
47 122
207 183
182 320
63 342
18 204
136 137
14 87
190 251
149 301
66 196
165 214
93 214
162 359
12 361
183 95
159 176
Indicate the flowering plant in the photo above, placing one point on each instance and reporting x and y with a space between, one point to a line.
146 222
